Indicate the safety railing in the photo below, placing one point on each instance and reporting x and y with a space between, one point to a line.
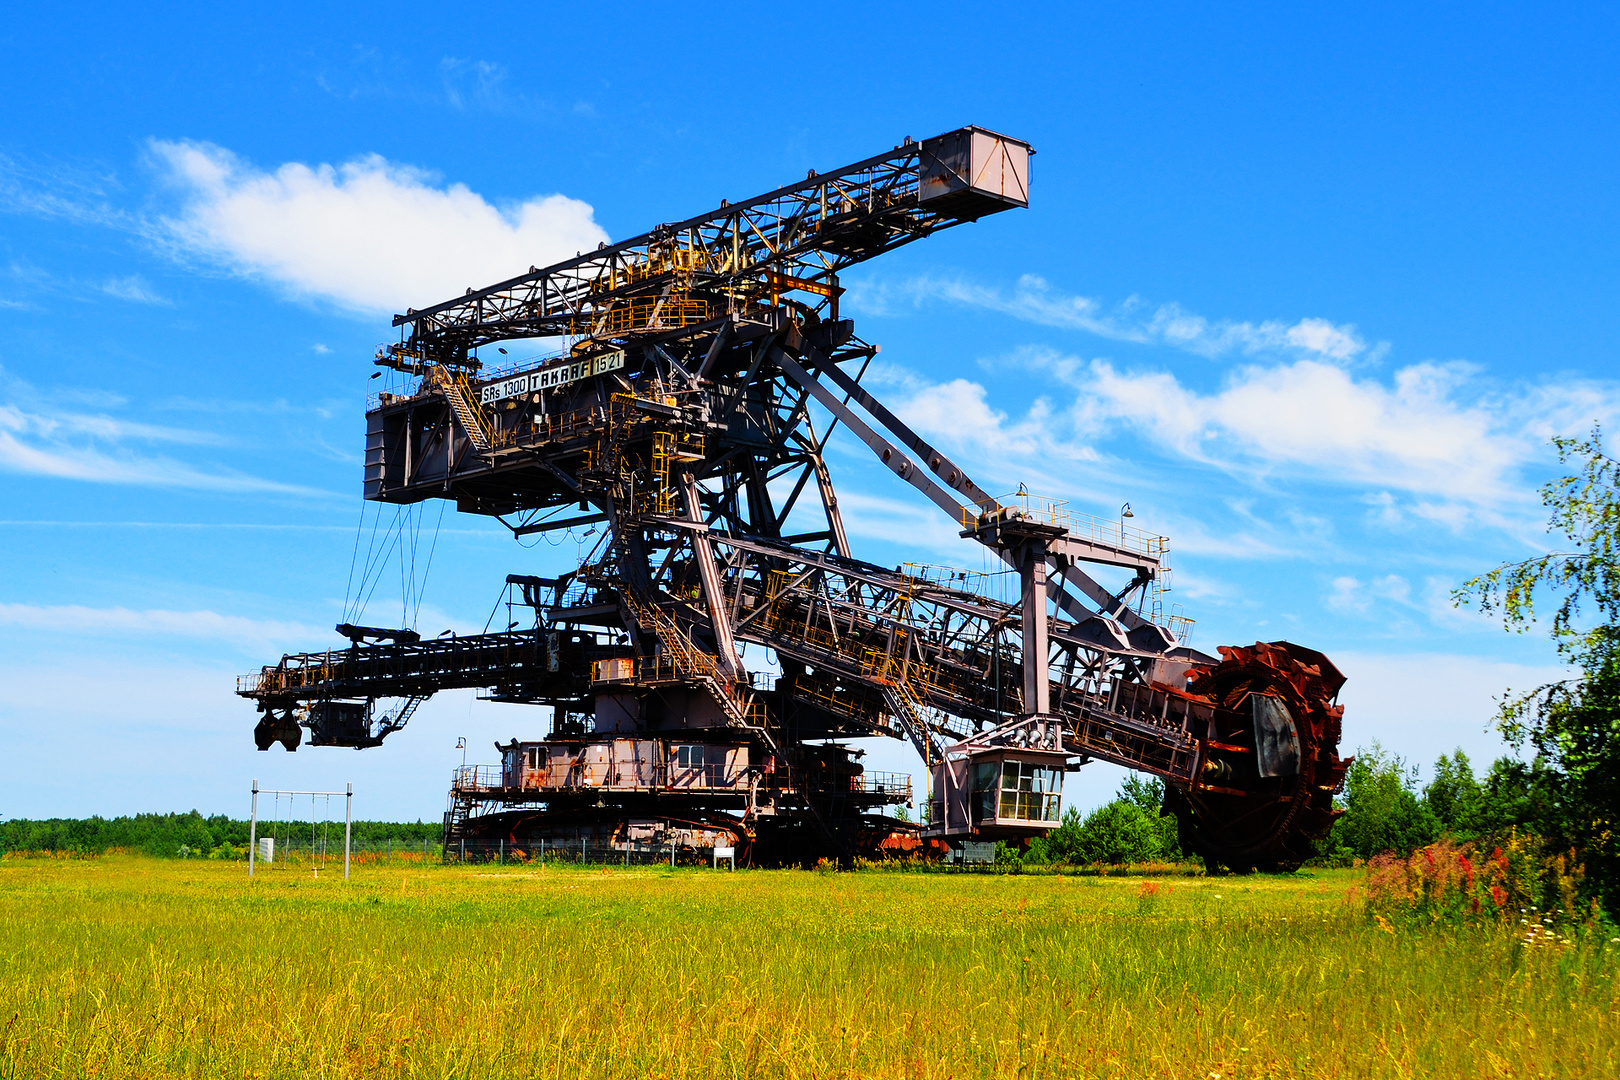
882 783
958 579
477 778
654 313
1023 506
603 775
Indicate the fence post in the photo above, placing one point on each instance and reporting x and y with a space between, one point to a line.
253 828
463 849
500 860
348 824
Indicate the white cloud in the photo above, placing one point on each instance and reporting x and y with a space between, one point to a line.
207 625
1136 320
1430 431
369 234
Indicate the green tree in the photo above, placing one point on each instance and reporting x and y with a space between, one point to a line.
1127 829
1382 808
1571 727
1515 794
1453 795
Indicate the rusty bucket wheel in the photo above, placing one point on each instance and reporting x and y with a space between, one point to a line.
1254 822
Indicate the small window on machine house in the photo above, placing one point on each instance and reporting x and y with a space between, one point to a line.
986 775
1029 792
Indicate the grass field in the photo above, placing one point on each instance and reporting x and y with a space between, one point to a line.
125 967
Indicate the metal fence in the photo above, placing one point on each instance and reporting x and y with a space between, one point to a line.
581 853
302 852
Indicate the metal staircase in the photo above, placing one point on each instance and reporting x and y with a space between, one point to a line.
458 392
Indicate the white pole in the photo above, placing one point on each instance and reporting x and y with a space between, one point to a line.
348 822
253 828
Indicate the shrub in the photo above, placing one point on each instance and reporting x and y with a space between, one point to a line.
1130 829
1382 810
1450 884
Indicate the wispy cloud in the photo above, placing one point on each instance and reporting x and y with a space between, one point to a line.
910 525
95 447
1033 300
209 625
135 289
368 234
486 86
1353 596
62 190
63 426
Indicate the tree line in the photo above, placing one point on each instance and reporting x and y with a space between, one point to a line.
192 834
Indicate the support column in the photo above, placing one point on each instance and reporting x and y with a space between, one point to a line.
1032 572
829 502
713 595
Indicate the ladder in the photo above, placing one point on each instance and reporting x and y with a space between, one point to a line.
458 392
389 725
906 710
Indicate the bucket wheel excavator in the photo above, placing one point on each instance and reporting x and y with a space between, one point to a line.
679 410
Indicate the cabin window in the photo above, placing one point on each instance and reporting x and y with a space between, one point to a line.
689 757
986 787
1029 792
535 757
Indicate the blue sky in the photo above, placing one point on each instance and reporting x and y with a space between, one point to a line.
1309 290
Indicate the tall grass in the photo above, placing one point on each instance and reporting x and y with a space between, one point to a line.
135 967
